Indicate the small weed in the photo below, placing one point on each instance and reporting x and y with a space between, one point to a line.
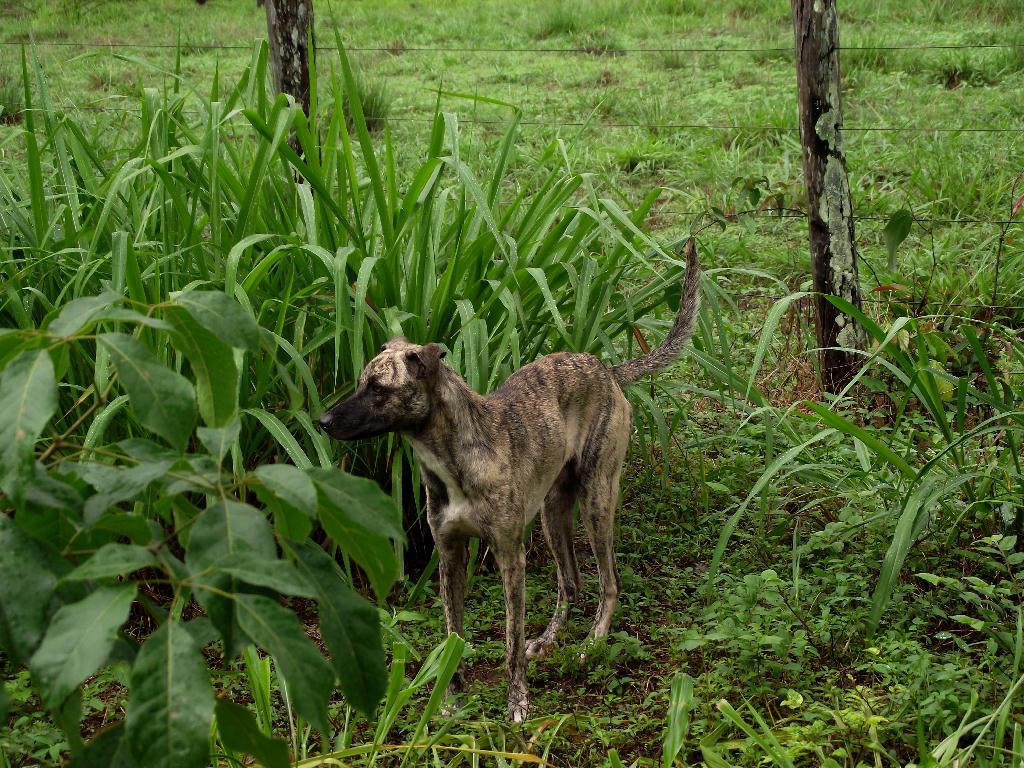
1013 56
76 10
191 48
952 76
671 59
109 81
674 7
572 17
560 19
12 100
643 155
375 100
600 43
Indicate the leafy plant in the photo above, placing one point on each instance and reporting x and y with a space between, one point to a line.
172 318
158 518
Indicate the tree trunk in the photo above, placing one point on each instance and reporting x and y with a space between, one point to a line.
829 210
287 24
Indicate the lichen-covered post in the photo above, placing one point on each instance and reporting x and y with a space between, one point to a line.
289 27
829 210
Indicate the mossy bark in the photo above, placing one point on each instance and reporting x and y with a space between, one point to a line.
288 26
829 210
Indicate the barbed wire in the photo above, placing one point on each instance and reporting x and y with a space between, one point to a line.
713 127
867 300
766 213
398 48
791 214
746 128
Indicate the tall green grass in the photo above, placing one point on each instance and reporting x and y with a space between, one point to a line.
936 466
332 250
198 267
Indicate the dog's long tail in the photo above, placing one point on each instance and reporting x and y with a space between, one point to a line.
682 329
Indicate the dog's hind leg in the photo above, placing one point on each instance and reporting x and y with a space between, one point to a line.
599 495
556 519
511 558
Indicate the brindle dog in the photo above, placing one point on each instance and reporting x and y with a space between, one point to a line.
555 432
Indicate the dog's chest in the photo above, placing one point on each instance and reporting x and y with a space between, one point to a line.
458 514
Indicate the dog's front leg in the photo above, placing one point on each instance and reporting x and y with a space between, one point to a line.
511 559
452 559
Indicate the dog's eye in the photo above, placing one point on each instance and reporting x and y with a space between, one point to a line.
376 388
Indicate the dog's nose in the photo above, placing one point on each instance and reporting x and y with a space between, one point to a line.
325 420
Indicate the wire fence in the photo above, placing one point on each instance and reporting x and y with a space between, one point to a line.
398 48
910 300
789 214
599 124
765 213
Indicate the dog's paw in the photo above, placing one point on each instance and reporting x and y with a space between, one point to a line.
518 707
591 648
450 708
538 648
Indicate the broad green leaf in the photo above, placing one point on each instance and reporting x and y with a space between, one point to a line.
289 493
225 530
78 313
78 641
218 440
289 484
28 398
213 363
680 704
240 733
116 484
163 401
363 501
28 574
895 232
113 560
365 537
171 702
279 575
351 628
135 527
223 316
14 341
310 679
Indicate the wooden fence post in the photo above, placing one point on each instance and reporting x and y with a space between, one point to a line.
288 22
829 209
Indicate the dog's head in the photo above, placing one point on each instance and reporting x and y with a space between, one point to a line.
395 393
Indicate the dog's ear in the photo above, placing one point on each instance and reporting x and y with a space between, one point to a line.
424 363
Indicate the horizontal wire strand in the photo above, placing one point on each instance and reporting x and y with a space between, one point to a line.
401 49
719 127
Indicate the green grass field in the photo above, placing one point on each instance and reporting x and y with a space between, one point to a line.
936 174
806 581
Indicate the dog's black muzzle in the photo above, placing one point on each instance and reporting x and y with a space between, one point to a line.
354 419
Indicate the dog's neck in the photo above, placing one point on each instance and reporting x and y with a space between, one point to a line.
455 425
